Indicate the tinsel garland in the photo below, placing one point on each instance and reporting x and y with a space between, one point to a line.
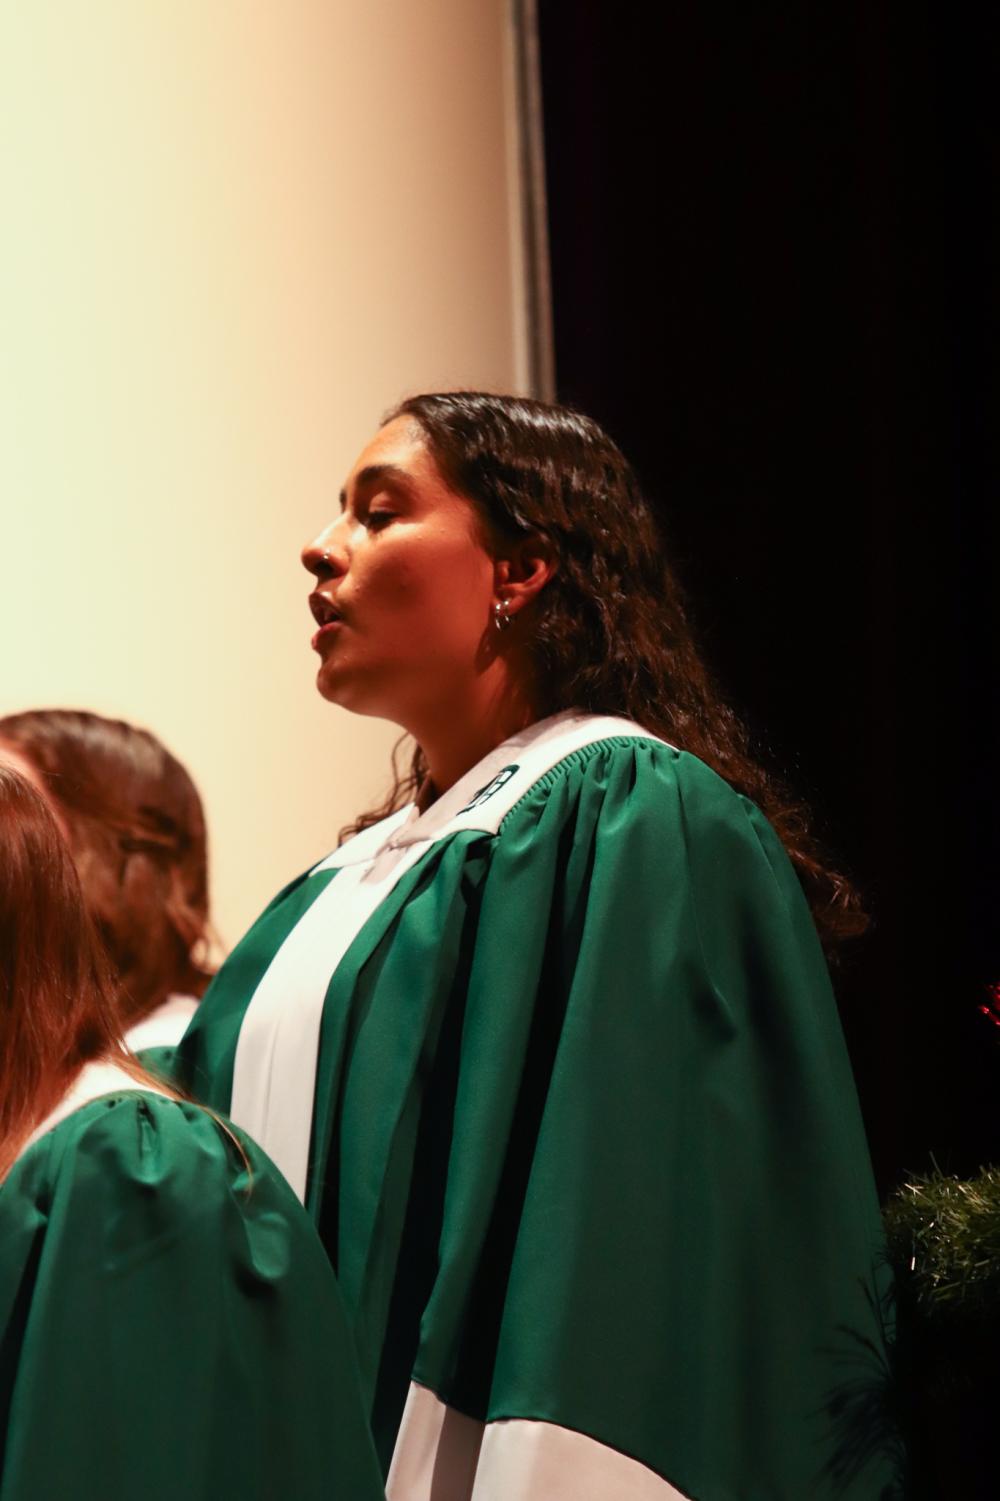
943 1240
944 1243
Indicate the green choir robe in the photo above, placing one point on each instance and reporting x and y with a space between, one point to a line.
170 1324
557 1069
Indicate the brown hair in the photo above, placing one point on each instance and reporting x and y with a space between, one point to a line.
609 633
57 997
137 831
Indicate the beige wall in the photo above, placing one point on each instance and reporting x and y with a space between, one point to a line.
233 232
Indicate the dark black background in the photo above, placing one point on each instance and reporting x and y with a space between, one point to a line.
773 234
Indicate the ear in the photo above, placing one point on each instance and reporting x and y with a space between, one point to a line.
523 571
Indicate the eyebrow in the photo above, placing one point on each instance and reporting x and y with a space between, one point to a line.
373 474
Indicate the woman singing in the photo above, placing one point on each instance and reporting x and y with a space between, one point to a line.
169 1324
548 1047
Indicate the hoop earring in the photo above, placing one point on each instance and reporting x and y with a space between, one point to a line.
501 616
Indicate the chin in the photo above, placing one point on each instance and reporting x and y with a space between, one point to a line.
331 687
339 689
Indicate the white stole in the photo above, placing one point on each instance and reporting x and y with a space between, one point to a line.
274 1072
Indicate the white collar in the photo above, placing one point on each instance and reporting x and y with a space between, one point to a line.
481 798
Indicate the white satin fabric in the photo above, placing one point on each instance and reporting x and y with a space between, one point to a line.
274 1071
441 1455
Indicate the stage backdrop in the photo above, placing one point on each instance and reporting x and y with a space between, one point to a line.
234 233
776 277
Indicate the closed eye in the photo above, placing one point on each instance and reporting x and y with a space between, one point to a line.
378 519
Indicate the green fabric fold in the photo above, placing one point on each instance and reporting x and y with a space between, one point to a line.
171 1324
586 1144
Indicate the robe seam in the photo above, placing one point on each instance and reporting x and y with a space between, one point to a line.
582 754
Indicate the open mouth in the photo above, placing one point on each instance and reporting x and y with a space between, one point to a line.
326 616
324 611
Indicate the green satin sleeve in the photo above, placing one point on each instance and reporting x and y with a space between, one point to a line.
660 1227
171 1326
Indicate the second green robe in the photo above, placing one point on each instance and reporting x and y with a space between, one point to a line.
170 1324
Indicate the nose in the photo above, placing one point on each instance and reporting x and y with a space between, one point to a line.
325 556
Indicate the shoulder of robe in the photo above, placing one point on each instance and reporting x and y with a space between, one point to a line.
640 781
153 1290
136 1169
139 1139
638 822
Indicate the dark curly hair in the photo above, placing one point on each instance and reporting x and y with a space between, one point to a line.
136 828
609 633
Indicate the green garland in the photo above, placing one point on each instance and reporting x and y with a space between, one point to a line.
943 1237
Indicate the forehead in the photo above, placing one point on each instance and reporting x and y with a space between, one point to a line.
399 444
400 439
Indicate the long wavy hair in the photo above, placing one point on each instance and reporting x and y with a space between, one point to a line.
136 827
609 633
58 1007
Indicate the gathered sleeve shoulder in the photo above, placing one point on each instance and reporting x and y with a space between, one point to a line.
172 1326
657 1141
674 936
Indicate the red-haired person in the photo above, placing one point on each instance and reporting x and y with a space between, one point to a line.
135 823
169 1322
549 1047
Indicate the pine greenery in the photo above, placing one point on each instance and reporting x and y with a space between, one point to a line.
944 1243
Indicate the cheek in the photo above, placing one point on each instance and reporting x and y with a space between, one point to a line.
441 592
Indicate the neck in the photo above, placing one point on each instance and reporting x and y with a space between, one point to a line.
453 742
